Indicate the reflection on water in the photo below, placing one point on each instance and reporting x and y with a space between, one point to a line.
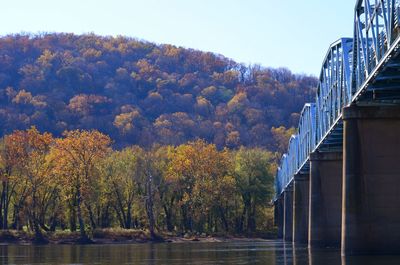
261 252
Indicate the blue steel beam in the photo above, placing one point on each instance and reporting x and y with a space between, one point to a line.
282 178
307 135
300 146
334 87
293 155
375 30
376 49
288 166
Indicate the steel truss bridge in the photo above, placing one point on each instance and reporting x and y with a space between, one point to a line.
363 70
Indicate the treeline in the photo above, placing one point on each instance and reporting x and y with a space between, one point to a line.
78 182
141 93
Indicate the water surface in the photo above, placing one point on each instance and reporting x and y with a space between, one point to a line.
241 253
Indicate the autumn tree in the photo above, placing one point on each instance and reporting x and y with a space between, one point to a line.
8 163
161 158
157 190
254 181
78 155
30 151
281 137
196 169
122 175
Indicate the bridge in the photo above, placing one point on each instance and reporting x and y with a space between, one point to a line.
338 185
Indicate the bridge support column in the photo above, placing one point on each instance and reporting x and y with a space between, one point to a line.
371 180
288 215
278 212
300 208
325 200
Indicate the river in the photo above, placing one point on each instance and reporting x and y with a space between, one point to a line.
240 253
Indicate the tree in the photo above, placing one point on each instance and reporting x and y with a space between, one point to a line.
128 122
196 169
78 155
8 163
254 180
122 174
281 136
31 149
161 156
155 165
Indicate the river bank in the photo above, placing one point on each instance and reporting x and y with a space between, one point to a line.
123 236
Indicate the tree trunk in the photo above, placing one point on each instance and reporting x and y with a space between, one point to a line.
84 238
168 218
105 217
149 207
252 218
17 225
223 218
5 203
121 211
39 238
128 223
2 204
119 217
242 219
5 213
53 223
72 219
91 217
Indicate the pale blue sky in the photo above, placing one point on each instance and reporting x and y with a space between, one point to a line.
289 33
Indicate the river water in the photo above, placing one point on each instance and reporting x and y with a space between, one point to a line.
257 252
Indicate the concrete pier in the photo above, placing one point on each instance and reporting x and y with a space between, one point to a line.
278 213
288 215
371 181
325 207
300 208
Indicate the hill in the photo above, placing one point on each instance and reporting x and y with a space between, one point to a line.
143 93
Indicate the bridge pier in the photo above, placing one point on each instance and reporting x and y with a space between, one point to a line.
300 208
325 207
371 181
278 214
288 215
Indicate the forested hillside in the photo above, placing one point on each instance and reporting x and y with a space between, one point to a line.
142 93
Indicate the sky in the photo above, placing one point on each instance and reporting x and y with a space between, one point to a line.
274 33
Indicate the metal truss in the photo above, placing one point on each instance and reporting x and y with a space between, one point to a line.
334 88
293 155
362 70
306 134
280 178
376 27
300 147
